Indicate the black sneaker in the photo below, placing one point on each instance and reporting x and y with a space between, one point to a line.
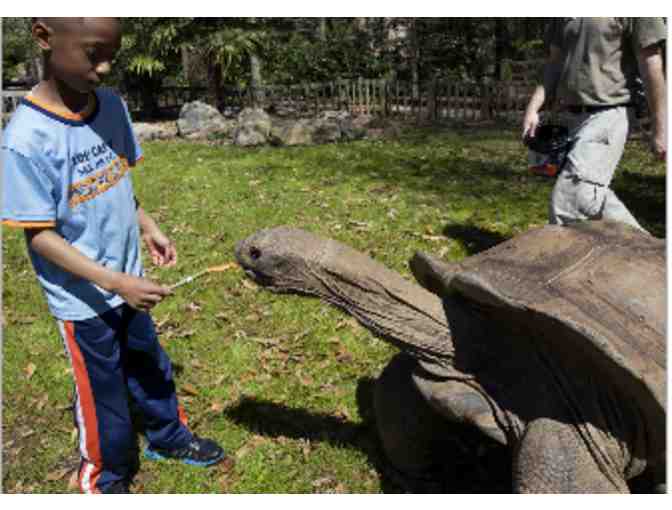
118 487
199 452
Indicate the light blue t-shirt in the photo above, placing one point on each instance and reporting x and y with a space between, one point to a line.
71 173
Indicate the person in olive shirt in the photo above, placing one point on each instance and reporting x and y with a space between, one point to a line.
591 71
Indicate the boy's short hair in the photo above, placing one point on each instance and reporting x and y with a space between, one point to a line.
57 24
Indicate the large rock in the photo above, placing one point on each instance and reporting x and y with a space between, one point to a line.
293 132
145 131
200 120
327 127
254 127
331 121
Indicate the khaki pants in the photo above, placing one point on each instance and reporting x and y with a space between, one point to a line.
582 191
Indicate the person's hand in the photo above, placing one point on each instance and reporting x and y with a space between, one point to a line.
139 293
659 144
161 249
530 123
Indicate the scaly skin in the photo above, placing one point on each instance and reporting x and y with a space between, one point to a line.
568 431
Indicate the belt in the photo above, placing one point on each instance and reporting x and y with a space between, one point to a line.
584 108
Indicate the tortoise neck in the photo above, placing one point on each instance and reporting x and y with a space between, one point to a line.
393 308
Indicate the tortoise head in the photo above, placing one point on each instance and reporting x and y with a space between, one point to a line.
280 259
289 260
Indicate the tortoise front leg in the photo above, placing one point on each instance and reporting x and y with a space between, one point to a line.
413 436
552 458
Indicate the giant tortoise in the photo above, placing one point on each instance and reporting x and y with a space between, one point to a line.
551 343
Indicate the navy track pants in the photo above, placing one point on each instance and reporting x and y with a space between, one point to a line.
114 355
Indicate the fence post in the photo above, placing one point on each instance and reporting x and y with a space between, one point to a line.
431 100
367 87
484 100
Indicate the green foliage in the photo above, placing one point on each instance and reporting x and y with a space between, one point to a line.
151 46
284 382
18 48
231 48
294 50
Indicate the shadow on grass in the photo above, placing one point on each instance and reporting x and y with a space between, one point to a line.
644 196
473 238
474 171
470 467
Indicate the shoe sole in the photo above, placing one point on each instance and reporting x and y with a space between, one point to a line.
154 455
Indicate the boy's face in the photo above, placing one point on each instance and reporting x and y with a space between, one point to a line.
81 51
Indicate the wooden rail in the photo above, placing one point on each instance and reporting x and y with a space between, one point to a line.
442 99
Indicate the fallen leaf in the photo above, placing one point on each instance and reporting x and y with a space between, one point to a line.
58 474
306 449
244 450
359 225
160 323
320 482
30 370
42 402
249 285
226 465
194 307
27 433
433 238
189 389
73 482
342 355
343 413
216 407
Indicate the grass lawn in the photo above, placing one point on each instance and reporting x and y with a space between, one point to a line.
283 383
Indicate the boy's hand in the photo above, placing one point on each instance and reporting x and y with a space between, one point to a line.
161 249
140 293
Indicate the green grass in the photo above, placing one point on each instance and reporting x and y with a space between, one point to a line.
282 382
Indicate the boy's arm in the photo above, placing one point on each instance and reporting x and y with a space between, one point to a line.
651 69
138 292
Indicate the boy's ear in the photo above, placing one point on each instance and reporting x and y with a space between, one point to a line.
42 35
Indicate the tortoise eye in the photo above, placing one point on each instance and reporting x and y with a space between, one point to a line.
255 253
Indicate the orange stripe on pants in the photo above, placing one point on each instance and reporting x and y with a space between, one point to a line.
88 475
182 415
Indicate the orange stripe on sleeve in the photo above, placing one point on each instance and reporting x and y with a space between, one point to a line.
29 224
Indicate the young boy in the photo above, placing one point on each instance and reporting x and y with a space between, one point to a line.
66 158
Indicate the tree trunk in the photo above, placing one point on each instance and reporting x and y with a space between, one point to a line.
256 85
500 41
414 58
215 84
322 29
256 82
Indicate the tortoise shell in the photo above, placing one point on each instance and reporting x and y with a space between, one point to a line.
595 289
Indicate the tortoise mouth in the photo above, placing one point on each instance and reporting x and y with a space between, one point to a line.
258 278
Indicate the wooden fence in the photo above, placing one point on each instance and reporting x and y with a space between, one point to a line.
436 100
